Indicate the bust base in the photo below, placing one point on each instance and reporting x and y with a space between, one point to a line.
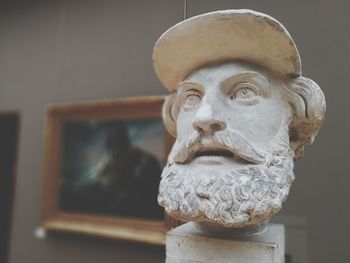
187 243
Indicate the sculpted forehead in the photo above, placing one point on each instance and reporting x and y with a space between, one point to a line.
225 71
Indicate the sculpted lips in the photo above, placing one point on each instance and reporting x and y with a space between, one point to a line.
227 145
214 152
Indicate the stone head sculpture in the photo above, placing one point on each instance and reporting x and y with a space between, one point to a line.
241 113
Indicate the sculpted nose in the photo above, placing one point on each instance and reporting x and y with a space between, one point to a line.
205 122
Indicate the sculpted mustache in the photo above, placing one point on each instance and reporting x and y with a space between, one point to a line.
230 140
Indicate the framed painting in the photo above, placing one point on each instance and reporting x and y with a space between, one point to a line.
103 162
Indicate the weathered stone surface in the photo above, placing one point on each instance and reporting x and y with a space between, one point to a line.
241 113
186 244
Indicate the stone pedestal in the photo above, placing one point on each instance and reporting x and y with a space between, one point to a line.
187 243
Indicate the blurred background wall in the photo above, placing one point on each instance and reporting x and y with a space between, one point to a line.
66 51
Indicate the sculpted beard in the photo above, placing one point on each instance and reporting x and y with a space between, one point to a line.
236 195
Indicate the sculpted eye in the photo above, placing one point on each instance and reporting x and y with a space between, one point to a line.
244 91
192 100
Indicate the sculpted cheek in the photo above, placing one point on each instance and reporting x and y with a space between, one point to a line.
259 123
184 124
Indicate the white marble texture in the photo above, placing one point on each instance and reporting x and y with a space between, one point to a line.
186 244
239 124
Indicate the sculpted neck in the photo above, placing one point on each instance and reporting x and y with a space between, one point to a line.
216 229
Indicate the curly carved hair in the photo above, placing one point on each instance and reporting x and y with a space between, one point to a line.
309 105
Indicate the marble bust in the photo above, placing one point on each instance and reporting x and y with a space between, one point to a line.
241 112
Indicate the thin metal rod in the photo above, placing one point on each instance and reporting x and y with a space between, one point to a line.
185 9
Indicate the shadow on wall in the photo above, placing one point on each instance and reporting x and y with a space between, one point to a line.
9 127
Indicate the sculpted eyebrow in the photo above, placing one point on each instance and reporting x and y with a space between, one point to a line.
190 86
251 77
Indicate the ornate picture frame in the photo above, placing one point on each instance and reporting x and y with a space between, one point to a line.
81 154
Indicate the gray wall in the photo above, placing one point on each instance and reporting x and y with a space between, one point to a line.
64 51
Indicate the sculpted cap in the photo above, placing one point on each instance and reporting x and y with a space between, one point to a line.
222 36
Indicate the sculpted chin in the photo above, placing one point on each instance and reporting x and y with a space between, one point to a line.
231 196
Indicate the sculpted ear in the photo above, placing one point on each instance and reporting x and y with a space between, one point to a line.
309 109
169 113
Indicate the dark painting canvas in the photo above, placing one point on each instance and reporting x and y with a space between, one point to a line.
112 167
